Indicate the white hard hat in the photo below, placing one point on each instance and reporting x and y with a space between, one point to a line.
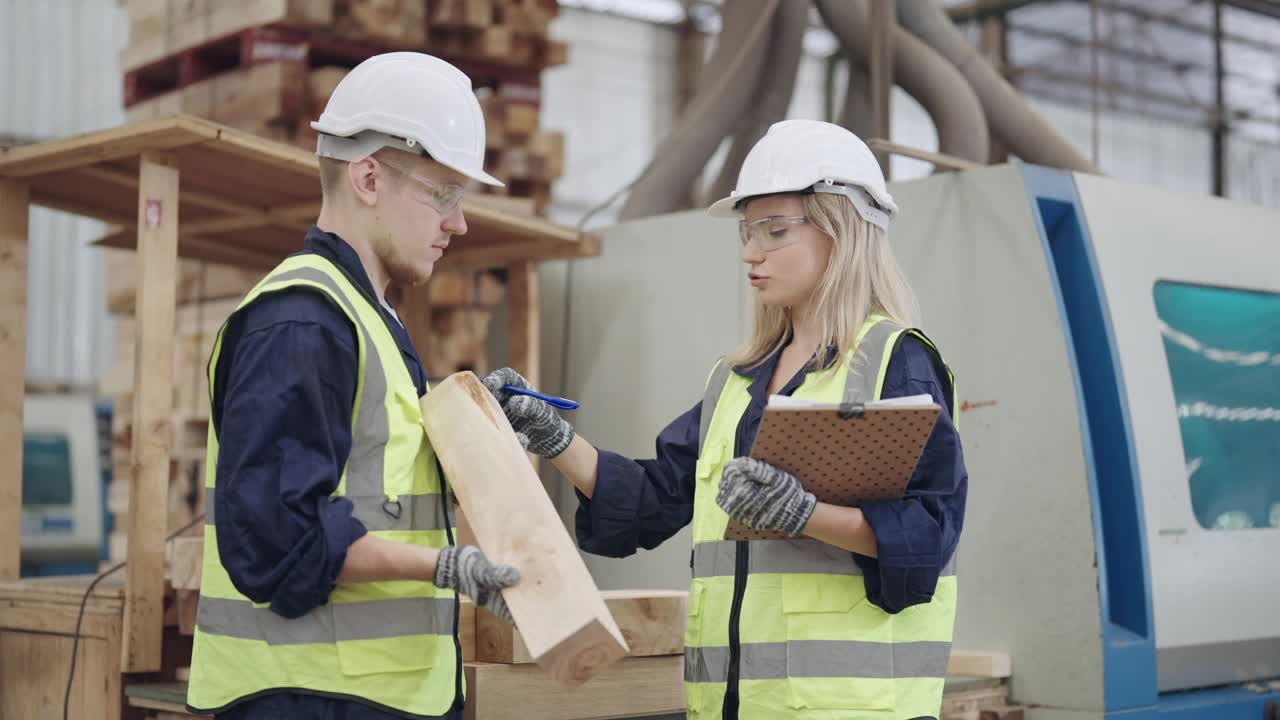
812 156
410 101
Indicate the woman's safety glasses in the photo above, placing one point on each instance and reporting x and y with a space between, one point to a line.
443 198
770 233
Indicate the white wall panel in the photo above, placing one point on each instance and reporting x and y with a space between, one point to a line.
59 76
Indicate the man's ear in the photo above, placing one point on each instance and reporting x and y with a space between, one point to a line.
367 177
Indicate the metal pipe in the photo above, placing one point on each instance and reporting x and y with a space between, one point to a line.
880 72
728 85
1012 120
773 97
1219 107
922 73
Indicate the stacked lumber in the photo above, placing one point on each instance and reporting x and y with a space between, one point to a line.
269 66
207 293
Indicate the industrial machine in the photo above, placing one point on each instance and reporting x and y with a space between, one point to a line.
1117 354
66 437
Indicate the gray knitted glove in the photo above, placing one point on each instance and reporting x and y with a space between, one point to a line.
764 497
548 433
465 569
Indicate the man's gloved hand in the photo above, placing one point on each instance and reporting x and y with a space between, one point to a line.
548 433
465 569
764 497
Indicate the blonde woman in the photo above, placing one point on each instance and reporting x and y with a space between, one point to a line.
852 618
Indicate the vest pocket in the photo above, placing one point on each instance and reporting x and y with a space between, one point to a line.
839 645
372 642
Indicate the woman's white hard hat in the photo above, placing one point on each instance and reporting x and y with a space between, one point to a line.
812 156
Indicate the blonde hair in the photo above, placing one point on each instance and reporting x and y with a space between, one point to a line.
862 278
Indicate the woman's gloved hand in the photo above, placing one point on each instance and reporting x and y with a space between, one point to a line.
548 433
764 497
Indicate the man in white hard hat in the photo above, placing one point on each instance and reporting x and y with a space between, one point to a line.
331 575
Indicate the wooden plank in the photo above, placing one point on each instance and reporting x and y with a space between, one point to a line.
973 700
167 696
946 162
467 627
218 19
651 621
396 24
244 216
478 257
104 145
153 406
67 589
196 281
186 562
187 602
59 619
15 200
632 687
522 321
970 663
559 610
33 683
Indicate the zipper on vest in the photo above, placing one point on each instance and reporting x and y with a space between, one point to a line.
735 617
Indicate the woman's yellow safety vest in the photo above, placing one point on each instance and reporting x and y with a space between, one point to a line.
787 622
392 644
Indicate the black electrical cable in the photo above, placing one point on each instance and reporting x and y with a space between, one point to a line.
75 641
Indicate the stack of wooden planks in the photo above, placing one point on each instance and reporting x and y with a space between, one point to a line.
269 66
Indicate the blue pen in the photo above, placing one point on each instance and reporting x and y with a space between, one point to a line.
551 400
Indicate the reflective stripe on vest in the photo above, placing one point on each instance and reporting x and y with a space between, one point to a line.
390 644
808 637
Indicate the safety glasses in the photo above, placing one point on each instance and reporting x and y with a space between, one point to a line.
771 233
443 198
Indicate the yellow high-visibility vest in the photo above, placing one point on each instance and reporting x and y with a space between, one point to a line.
392 644
808 642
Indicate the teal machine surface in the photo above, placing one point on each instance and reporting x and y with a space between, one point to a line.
1117 353
1126 546
65 458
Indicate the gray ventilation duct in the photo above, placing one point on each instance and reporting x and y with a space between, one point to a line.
1012 121
728 87
856 114
923 73
772 98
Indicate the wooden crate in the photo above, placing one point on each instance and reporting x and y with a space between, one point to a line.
37 633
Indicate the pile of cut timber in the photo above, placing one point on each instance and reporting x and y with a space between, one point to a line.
269 66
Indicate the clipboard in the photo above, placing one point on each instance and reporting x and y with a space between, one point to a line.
843 454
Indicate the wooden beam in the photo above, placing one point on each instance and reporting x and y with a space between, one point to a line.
113 144
652 621
635 687
186 562
565 623
480 257
969 663
15 201
949 162
53 203
244 216
522 321
199 248
152 410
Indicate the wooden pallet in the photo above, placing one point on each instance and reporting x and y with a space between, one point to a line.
171 54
